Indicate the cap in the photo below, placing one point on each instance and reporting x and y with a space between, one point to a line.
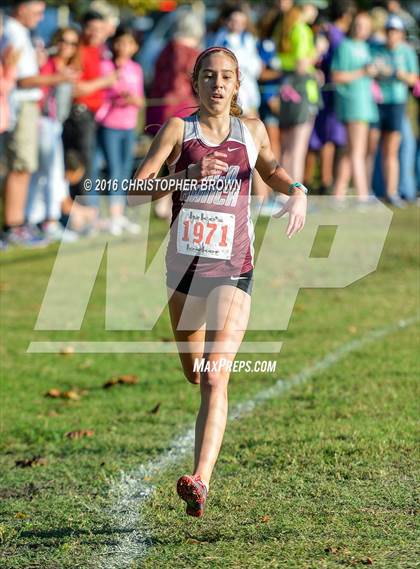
321 4
394 22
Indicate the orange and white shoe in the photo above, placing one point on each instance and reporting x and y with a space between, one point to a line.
194 492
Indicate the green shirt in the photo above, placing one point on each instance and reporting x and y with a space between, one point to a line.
403 58
301 46
354 100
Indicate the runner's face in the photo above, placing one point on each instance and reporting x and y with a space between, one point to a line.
217 83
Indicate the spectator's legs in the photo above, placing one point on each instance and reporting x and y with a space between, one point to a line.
22 154
407 158
343 174
274 137
295 146
327 164
390 147
128 138
15 193
41 178
374 139
358 139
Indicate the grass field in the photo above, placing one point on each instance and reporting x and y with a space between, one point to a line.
323 476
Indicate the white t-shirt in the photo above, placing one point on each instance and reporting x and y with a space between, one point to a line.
19 37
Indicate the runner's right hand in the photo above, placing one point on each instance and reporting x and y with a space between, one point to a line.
211 164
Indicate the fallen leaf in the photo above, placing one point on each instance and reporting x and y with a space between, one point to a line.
73 395
30 462
331 550
367 561
53 414
80 434
155 409
265 519
53 393
110 382
22 516
128 378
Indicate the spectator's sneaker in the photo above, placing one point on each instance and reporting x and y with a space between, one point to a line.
396 201
25 236
194 492
54 231
129 226
3 244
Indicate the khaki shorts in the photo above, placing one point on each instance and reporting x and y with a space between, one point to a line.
22 142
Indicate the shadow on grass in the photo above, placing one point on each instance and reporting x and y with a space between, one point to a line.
68 532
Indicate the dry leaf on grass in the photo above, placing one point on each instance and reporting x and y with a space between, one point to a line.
367 561
30 462
155 409
265 519
53 393
127 379
80 434
71 394
22 516
75 393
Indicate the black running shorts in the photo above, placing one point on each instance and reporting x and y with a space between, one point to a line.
202 286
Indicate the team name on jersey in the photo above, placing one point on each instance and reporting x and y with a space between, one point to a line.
217 190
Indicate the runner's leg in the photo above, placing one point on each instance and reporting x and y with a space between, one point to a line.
227 318
192 309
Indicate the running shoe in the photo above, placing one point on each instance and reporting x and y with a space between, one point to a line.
25 236
194 492
396 201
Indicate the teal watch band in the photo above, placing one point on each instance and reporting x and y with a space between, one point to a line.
298 185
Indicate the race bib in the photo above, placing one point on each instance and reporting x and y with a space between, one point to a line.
205 233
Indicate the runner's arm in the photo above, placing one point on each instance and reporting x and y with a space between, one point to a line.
163 144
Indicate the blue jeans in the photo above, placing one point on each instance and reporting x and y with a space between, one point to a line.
407 184
117 146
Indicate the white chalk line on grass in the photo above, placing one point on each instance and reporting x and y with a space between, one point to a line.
132 490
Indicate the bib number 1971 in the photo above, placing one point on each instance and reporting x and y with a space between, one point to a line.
205 233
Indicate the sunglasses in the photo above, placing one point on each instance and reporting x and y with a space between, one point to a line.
73 43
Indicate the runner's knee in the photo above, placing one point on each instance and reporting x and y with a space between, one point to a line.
192 376
215 380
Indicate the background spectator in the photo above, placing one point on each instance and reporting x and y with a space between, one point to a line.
299 92
397 69
117 119
22 143
352 70
48 181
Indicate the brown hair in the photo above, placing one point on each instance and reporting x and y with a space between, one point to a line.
235 109
290 18
59 35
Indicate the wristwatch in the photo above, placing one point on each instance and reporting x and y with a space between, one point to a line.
298 185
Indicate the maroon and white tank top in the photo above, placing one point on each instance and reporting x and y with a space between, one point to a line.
211 228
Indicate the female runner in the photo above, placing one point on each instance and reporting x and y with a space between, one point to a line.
209 259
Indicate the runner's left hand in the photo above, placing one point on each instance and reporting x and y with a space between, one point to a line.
296 208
